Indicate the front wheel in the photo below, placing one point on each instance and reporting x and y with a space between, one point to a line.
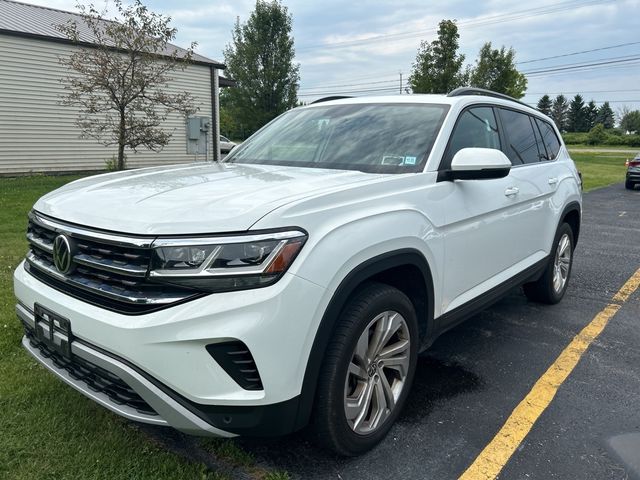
552 285
629 185
368 370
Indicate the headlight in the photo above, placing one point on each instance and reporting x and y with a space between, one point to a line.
227 262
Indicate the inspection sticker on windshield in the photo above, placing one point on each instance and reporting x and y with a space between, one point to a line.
409 160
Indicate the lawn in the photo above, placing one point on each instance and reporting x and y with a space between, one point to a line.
600 169
47 430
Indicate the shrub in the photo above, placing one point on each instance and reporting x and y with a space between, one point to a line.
597 135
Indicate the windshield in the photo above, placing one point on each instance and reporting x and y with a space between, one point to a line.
380 138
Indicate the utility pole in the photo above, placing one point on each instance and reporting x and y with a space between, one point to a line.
400 82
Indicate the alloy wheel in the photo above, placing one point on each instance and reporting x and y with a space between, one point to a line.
562 263
377 372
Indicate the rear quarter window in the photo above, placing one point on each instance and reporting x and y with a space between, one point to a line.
549 139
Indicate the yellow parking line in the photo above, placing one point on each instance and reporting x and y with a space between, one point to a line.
497 453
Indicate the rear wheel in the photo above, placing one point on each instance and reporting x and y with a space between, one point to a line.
552 285
368 370
629 185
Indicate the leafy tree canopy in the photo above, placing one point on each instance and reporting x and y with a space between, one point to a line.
260 59
438 65
495 70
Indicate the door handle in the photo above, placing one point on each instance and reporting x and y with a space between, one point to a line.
511 191
553 181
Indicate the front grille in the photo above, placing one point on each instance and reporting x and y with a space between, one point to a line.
94 377
109 270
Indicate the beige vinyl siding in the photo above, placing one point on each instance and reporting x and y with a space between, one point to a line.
38 133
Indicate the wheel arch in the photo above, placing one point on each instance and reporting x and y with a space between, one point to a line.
391 268
572 214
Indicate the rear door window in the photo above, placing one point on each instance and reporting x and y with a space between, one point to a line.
522 144
549 138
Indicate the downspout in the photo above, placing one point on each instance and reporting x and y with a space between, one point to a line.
215 114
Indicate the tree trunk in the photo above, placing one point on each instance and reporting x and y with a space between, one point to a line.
121 140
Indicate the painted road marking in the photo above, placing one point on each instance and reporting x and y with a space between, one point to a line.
497 453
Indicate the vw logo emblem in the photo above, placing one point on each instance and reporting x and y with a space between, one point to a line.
62 254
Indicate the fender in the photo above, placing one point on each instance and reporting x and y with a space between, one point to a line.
341 296
572 207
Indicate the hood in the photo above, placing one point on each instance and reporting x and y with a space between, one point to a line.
193 199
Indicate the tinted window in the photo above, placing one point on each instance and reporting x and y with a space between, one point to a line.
388 138
476 127
549 139
522 146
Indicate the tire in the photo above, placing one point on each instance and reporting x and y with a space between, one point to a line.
629 185
545 289
346 376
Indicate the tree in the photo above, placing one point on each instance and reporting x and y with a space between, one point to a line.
591 115
260 59
495 70
605 116
630 122
576 121
545 105
120 84
438 66
559 112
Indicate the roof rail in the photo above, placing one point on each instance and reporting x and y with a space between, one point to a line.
328 99
462 91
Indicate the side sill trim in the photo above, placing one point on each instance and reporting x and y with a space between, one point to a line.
453 318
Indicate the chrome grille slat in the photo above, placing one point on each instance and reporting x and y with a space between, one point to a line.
110 265
112 269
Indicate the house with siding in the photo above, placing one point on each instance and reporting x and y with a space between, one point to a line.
39 134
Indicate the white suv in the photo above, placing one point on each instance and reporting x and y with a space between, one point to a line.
297 281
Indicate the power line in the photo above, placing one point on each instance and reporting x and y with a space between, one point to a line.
582 91
570 66
578 53
490 20
350 84
314 87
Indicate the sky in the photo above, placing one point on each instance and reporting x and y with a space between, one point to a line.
362 47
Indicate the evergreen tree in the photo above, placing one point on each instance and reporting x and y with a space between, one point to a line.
545 104
495 70
591 114
576 120
438 65
559 112
260 60
605 116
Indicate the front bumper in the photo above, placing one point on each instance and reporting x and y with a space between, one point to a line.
167 410
162 355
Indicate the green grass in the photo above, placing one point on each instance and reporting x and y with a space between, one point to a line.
584 146
49 431
600 169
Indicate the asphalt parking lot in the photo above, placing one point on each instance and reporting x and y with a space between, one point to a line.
473 377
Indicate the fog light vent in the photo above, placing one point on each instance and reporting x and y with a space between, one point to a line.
236 359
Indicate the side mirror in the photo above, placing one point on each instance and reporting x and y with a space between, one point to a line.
478 163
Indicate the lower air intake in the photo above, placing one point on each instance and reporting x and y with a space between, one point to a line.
236 359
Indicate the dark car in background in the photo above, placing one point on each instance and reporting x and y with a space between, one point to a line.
633 173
